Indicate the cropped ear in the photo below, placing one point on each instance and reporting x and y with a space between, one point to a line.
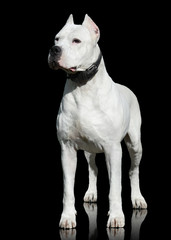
92 27
70 19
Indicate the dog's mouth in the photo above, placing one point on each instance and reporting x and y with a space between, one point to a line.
71 70
56 65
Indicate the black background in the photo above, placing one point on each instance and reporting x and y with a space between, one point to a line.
132 46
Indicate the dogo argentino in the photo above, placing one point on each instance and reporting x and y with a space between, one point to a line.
95 115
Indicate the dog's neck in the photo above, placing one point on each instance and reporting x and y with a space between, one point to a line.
82 77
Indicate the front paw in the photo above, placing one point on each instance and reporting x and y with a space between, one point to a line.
68 220
116 221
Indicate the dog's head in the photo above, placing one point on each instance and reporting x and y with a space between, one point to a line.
75 47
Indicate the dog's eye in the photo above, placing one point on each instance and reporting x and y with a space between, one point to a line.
76 40
56 39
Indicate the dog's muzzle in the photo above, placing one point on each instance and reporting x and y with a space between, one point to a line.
54 56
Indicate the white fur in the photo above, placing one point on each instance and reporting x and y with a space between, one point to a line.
96 117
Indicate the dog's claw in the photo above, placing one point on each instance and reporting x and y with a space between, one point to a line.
139 203
67 221
90 197
115 222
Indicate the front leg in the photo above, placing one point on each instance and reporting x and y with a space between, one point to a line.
69 162
113 159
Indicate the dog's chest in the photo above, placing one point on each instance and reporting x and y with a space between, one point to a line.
80 124
86 122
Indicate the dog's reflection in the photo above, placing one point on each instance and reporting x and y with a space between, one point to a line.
67 234
138 217
91 210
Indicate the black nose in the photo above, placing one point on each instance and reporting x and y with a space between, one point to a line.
55 50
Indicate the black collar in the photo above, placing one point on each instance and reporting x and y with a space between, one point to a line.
83 76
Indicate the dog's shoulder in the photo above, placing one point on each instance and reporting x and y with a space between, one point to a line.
126 93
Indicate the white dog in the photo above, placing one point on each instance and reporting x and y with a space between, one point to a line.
95 115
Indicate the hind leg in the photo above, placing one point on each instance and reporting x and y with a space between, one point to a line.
91 194
133 143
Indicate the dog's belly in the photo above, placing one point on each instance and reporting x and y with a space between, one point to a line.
88 145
